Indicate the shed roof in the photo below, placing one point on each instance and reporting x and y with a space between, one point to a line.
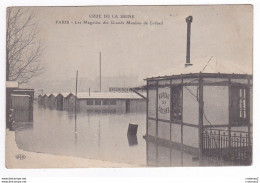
12 84
204 65
54 94
24 89
16 95
64 94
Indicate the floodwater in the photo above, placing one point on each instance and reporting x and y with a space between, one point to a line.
101 136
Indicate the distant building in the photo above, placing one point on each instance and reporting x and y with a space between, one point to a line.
96 101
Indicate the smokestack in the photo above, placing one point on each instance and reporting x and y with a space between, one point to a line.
188 21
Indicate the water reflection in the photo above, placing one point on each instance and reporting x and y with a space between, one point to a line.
162 155
132 140
94 135
100 136
20 126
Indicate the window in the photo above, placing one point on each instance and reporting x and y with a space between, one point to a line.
90 102
97 102
113 102
239 105
109 102
151 103
176 114
105 102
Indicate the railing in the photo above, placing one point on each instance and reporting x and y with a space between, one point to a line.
227 145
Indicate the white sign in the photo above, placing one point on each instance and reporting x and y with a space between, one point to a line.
164 98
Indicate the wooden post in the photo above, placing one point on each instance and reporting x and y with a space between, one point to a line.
248 104
182 112
147 107
201 112
76 94
100 71
229 113
157 109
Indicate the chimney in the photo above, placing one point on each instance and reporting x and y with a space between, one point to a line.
188 21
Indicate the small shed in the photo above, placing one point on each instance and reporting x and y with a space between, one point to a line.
45 100
196 106
30 93
69 102
52 101
40 98
21 107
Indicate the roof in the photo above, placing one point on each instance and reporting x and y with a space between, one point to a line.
99 95
15 95
204 65
64 94
54 94
108 95
12 84
24 89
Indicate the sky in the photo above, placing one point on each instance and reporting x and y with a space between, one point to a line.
223 31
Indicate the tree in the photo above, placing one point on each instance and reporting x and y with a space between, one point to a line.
24 50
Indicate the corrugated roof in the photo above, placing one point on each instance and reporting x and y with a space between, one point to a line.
204 65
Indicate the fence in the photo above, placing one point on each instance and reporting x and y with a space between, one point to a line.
226 145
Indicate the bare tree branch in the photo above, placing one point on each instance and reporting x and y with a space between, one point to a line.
23 50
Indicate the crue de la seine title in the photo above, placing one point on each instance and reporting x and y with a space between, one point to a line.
96 19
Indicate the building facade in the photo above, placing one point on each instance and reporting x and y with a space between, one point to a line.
200 101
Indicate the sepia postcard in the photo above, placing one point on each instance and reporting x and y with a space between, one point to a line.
129 86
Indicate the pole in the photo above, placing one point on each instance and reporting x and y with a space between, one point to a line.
201 112
76 93
188 21
76 96
100 71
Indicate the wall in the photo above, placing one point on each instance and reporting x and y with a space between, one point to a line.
164 130
174 131
20 102
119 107
190 116
137 105
152 103
190 105
152 127
21 107
251 104
52 103
69 103
45 101
216 105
